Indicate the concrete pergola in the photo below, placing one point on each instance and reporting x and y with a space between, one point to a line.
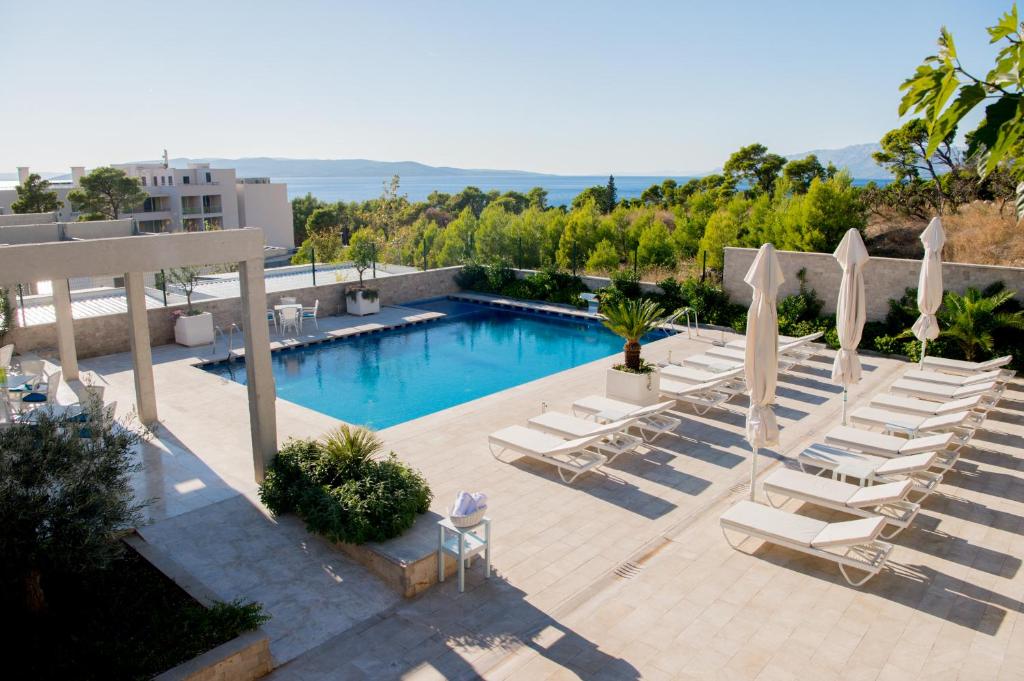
132 257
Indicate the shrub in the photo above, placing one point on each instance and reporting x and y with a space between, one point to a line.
63 499
473 277
341 491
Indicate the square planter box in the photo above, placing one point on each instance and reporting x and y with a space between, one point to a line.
194 330
361 305
641 389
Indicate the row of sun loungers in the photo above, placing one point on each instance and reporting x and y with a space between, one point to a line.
597 432
934 411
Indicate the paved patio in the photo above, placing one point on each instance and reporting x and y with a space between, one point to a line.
618 576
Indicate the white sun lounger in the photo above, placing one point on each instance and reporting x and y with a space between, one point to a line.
912 405
570 456
887 500
797 350
944 393
685 374
652 420
965 368
615 440
868 468
960 423
953 379
783 340
720 364
703 397
859 440
850 544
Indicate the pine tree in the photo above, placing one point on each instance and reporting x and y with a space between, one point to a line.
610 195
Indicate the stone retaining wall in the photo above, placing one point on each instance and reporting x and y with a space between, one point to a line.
108 334
884 278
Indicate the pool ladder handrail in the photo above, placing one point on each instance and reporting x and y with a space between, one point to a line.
229 340
670 323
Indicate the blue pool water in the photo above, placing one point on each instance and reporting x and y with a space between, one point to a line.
385 378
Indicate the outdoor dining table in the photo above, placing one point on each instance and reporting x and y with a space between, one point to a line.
14 382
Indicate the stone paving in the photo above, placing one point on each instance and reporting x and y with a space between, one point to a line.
620 575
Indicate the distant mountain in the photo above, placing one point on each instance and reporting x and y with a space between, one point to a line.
856 158
353 167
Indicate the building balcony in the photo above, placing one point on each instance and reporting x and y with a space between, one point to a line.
191 210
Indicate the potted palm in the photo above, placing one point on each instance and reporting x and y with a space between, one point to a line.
362 251
191 327
634 380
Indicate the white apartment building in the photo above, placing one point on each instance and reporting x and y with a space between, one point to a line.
191 199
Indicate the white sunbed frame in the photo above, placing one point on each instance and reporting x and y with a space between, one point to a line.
652 421
580 459
867 556
842 464
613 443
899 513
964 368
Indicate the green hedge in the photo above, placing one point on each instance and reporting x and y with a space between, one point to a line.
549 285
344 497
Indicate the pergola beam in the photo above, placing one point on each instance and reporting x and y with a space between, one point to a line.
143 253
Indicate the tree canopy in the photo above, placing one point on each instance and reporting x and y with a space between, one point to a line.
107 192
35 196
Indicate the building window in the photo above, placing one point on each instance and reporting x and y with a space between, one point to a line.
163 179
143 180
209 178
184 180
170 180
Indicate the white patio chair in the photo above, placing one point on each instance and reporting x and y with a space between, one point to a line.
310 313
272 319
6 354
290 318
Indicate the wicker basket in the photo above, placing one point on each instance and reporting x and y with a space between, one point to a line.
470 520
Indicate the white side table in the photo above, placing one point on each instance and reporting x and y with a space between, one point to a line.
463 543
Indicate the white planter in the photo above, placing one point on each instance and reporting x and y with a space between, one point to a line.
194 330
361 305
633 388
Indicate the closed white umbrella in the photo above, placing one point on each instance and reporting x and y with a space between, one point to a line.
850 311
929 285
761 362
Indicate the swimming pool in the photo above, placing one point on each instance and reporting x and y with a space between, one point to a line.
382 379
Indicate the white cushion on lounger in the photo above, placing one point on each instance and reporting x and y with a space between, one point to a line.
886 445
849 532
523 438
913 405
953 379
772 522
939 391
876 495
788 481
961 366
902 465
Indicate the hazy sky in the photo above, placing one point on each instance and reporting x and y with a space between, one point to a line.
565 87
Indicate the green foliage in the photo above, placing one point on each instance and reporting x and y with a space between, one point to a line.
655 247
756 167
186 278
341 491
108 192
632 320
973 321
800 172
547 285
35 196
998 137
63 499
362 252
604 257
302 209
6 313
804 306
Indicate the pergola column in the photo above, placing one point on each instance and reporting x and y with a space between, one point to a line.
259 377
65 329
142 354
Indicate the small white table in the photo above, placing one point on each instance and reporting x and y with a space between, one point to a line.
463 543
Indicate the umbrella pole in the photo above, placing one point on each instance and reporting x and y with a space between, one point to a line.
844 405
924 349
753 473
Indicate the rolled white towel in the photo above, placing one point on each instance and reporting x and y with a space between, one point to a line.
480 500
464 504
